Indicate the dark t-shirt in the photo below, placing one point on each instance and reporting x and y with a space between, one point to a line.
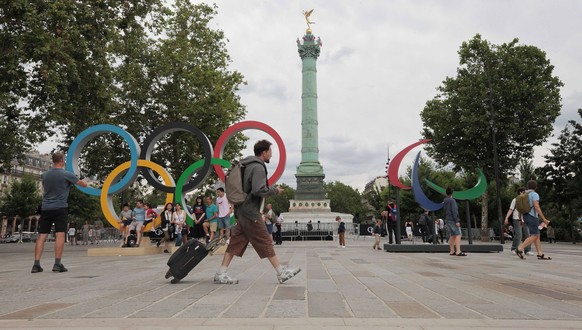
56 184
199 210
451 210
341 228
377 229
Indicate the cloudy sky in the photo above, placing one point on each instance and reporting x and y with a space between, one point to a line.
379 64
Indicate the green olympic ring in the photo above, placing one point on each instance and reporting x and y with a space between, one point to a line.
179 197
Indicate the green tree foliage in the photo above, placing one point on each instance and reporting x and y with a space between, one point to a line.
525 98
22 198
376 200
84 207
68 65
510 87
56 68
526 171
561 181
280 201
344 198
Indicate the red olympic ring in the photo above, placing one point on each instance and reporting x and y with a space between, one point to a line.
244 125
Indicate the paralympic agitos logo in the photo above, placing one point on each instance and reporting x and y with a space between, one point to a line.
419 195
140 160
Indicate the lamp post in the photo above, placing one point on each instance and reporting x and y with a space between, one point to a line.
396 213
491 116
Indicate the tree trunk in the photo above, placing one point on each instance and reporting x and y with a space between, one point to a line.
572 222
484 213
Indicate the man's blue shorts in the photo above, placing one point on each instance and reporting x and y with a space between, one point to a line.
223 222
532 224
453 229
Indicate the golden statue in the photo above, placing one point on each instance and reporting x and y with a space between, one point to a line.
309 22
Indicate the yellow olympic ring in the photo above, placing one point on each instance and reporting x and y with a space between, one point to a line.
107 200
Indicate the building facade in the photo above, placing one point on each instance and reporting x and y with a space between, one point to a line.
34 164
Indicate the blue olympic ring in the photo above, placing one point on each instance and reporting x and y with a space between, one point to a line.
72 163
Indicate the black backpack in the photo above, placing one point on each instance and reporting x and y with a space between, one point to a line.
422 220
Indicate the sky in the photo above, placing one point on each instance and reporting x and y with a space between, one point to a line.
381 61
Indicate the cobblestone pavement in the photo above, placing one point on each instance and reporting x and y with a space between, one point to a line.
351 288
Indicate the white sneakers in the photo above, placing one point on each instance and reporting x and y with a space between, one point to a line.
224 279
287 274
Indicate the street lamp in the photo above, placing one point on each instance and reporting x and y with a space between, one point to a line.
491 116
396 214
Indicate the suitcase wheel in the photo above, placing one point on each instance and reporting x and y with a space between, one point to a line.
214 244
175 280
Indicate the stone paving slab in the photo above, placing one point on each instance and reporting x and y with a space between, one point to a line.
338 288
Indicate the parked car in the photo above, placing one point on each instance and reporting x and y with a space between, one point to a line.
16 238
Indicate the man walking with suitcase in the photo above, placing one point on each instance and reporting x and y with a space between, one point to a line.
250 226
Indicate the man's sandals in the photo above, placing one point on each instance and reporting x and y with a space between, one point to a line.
540 257
519 254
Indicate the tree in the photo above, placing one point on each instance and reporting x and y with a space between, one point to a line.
508 89
57 75
280 201
68 65
526 171
562 175
83 207
344 198
22 198
186 79
376 200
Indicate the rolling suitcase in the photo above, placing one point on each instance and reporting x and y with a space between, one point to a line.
187 257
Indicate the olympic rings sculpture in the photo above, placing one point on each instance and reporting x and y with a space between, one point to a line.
140 161
419 195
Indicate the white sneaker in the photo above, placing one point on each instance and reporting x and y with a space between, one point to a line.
224 279
286 274
227 241
343 246
529 253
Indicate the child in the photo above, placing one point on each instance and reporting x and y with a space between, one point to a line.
341 231
377 233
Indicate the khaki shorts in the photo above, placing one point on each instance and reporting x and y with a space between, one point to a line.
136 225
255 232
213 226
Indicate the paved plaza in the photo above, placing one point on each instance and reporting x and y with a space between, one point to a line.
351 288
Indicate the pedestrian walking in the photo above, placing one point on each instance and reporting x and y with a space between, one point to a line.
250 227
532 221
